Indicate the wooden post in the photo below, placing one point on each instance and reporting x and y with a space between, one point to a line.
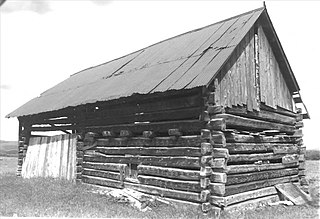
24 134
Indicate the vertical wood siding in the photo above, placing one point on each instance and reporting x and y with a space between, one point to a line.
51 157
236 83
274 91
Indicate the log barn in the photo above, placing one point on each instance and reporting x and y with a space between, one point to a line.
210 117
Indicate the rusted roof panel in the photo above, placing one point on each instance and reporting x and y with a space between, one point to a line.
182 62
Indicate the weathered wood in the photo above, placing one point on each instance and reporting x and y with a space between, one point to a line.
151 151
206 148
186 126
205 171
101 181
205 134
102 118
218 163
217 124
53 128
174 132
183 141
260 175
218 138
148 134
104 166
216 110
293 149
181 161
239 188
125 133
240 138
102 174
232 199
173 173
163 192
108 134
283 148
183 185
217 201
220 153
292 158
204 182
278 110
249 158
293 193
252 203
299 124
261 115
233 121
218 177
204 195
211 99
298 133
234 169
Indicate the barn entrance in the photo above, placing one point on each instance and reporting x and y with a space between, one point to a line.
51 156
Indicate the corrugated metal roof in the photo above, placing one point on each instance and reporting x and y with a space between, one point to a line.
182 62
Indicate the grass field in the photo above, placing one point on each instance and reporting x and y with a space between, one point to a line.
56 198
8 148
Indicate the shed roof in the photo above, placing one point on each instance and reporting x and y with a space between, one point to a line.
186 61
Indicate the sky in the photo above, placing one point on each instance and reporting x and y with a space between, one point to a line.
44 42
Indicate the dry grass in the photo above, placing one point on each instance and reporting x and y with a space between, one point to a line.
56 198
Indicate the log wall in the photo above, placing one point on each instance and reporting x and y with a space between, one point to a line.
264 149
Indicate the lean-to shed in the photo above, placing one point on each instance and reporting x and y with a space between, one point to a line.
207 117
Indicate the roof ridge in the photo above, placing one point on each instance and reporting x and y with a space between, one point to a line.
201 28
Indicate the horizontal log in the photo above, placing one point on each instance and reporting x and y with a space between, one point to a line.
276 148
234 169
182 161
183 141
278 110
191 186
232 199
240 138
290 158
239 188
156 104
252 203
261 175
104 166
102 174
101 181
261 114
250 158
53 128
107 118
293 149
151 151
163 192
233 121
185 126
173 173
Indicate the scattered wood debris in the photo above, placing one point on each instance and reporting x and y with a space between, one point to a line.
136 199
